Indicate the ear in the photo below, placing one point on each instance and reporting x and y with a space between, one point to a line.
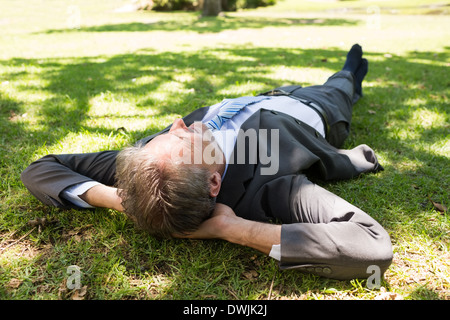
215 181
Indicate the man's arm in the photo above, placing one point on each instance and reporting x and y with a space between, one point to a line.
225 225
49 176
104 197
329 236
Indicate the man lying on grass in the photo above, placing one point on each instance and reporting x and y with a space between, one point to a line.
240 171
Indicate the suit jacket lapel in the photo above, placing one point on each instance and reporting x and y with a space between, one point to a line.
233 184
196 115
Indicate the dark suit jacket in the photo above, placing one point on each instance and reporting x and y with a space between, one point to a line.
338 241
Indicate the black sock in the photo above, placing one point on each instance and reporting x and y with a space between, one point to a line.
354 57
360 73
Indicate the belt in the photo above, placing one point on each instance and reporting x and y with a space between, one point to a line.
309 103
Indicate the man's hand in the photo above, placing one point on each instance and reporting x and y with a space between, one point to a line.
213 228
225 225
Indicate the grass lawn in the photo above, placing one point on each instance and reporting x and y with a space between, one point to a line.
82 76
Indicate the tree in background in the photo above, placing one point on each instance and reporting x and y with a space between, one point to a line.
211 7
208 7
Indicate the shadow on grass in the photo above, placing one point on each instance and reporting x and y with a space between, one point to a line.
402 88
72 83
210 24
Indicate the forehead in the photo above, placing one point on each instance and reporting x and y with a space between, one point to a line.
178 149
165 143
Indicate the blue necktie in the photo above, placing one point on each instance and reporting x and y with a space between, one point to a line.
229 108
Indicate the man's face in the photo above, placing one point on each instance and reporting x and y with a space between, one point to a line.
189 145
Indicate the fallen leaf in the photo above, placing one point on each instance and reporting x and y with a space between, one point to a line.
384 295
77 238
79 293
252 274
37 222
14 283
122 129
42 222
438 206
388 296
78 233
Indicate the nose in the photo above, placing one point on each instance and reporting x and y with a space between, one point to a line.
178 124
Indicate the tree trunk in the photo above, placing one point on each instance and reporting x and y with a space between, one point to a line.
211 7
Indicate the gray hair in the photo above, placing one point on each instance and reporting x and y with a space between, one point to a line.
162 197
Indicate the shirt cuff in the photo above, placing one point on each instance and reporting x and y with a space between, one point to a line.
276 252
73 193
